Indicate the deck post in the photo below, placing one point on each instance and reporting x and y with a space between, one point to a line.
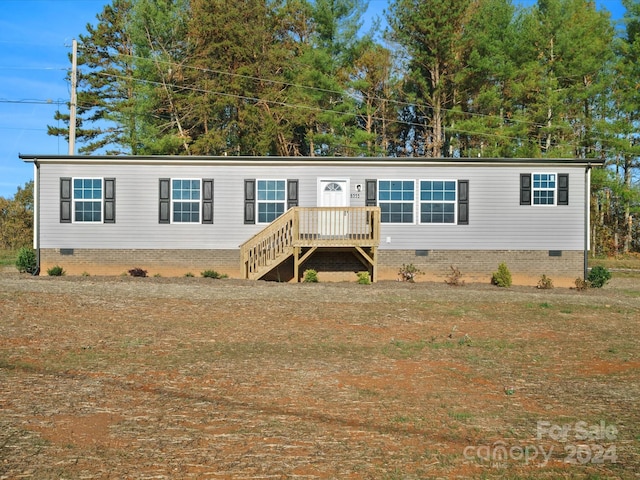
296 263
374 264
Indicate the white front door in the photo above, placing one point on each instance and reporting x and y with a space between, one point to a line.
334 193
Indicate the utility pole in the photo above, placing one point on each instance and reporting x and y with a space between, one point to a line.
74 101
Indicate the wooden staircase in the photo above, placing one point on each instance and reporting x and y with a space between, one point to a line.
300 231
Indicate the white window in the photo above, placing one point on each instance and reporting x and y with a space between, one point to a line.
438 201
544 188
185 200
271 199
396 199
87 200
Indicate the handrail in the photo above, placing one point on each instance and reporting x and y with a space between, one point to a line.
309 227
268 245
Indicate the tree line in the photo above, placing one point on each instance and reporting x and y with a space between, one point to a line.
16 219
447 78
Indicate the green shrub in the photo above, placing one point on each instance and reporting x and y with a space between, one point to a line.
137 272
364 278
26 261
56 271
212 274
310 276
545 282
189 275
408 273
501 278
598 276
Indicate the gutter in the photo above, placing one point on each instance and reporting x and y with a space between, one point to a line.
587 219
201 160
36 214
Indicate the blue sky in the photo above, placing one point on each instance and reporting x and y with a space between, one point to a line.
35 41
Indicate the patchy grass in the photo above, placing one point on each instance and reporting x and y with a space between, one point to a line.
627 262
184 378
8 258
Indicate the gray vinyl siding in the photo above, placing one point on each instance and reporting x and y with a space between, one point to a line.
497 221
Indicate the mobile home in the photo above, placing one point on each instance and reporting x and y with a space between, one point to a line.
274 217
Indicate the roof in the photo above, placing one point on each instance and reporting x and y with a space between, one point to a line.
291 161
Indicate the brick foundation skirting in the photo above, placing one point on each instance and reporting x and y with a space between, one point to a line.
169 263
526 267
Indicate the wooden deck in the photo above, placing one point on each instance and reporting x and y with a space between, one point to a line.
302 230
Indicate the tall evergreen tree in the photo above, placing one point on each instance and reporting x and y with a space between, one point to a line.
621 130
487 124
374 85
106 117
327 66
562 54
432 35
162 49
237 62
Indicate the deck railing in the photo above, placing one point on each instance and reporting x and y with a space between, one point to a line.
309 227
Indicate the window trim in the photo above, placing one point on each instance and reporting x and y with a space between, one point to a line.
173 201
534 189
74 201
454 202
284 202
413 202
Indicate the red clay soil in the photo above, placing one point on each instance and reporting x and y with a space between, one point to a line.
117 377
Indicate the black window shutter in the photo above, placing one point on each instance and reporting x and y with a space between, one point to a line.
109 200
371 192
207 200
563 189
164 215
463 202
65 200
249 201
525 189
292 193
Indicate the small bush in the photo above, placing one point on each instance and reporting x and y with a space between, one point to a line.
545 282
364 278
310 276
56 271
408 273
26 260
502 278
137 272
455 279
189 275
581 284
212 274
598 276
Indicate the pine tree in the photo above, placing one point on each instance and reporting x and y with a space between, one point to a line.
106 119
621 132
159 34
561 55
432 35
484 122
238 61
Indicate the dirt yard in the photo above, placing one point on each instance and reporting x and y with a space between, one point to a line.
154 378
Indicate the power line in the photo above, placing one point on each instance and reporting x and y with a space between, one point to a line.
335 112
33 101
400 103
